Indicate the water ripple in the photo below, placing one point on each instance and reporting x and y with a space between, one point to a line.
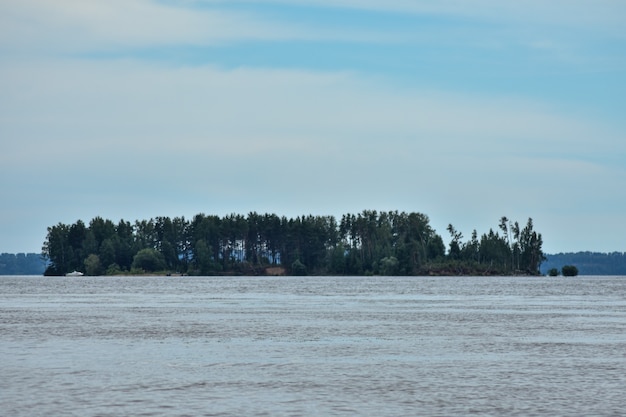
285 346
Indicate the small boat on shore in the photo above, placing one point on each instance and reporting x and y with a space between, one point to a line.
74 274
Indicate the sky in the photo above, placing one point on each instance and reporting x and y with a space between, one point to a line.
464 110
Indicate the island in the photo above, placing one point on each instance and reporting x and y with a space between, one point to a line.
367 243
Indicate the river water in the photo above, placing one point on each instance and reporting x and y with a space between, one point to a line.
312 346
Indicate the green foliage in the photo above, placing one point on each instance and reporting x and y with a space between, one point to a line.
515 251
149 260
114 269
203 263
298 268
569 271
93 265
370 242
553 272
389 266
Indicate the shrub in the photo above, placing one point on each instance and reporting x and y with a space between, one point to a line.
298 268
114 269
150 260
553 272
389 266
92 265
569 271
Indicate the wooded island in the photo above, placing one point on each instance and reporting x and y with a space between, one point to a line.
371 242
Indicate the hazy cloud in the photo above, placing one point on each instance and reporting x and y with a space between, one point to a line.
130 137
79 26
248 137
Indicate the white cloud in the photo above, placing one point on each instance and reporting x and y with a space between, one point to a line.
79 102
131 139
75 26
96 25
71 26
127 131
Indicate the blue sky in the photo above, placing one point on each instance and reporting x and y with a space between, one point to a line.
463 110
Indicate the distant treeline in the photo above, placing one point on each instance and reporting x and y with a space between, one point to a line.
588 263
22 264
371 242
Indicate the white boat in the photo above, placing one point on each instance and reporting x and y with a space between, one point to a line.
74 274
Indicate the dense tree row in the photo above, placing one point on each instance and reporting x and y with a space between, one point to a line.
371 242
588 263
517 250
21 264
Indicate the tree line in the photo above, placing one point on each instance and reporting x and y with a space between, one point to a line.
21 264
370 242
588 263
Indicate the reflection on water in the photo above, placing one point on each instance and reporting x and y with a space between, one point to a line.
286 346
